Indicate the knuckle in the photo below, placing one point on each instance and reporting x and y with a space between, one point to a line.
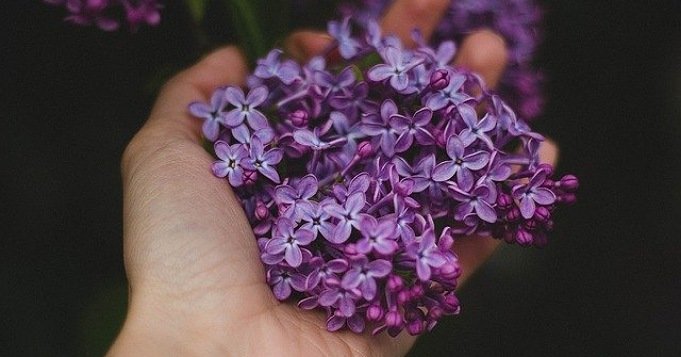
485 49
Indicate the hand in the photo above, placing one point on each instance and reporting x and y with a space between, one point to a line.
197 285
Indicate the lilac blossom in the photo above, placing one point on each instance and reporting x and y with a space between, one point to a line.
340 31
377 236
426 254
345 181
453 94
210 113
460 164
378 126
263 161
348 215
410 127
271 67
286 239
363 274
532 194
395 69
104 13
245 107
229 164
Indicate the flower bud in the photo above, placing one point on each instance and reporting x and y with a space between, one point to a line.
435 313
364 149
393 319
542 214
395 283
568 198
350 249
523 237
569 183
530 225
250 177
298 118
403 297
417 292
261 211
439 79
451 304
374 313
513 215
415 327
504 201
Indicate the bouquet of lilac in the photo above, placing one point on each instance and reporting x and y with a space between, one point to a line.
517 21
108 14
357 177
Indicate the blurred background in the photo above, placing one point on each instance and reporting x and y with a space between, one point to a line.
608 283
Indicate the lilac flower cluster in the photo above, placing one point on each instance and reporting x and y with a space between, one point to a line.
517 21
108 14
357 177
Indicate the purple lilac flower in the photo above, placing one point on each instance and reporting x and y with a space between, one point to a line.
453 94
286 239
245 107
460 164
229 164
271 67
517 21
395 69
378 126
363 274
344 195
347 46
410 127
532 194
103 13
263 161
377 236
426 254
211 114
349 215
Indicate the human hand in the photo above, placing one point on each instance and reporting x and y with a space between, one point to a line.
197 285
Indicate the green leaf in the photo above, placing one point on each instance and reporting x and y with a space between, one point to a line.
197 8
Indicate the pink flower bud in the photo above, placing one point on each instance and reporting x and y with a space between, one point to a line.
364 149
374 313
569 183
298 118
439 79
395 283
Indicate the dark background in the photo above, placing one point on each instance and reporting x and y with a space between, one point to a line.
608 284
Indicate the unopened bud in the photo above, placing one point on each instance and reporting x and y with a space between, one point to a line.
298 118
504 201
250 177
542 214
395 283
569 183
364 149
261 211
374 313
439 79
523 237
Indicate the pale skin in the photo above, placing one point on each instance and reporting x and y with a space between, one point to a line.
196 283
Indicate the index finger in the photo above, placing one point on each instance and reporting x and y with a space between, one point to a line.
400 19
406 15
222 67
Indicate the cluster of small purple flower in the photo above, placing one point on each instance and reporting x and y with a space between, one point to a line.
517 21
357 177
108 14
